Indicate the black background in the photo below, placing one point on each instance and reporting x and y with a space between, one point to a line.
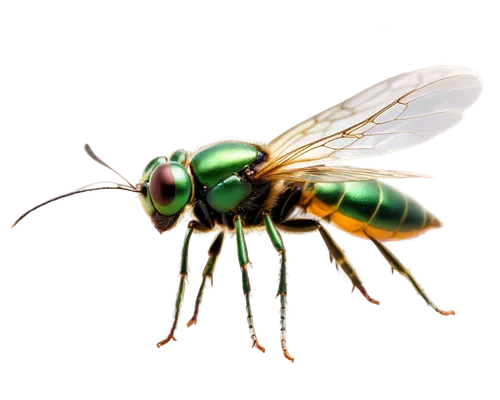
88 277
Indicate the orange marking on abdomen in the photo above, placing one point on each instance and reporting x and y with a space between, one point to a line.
347 224
318 208
358 228
379 234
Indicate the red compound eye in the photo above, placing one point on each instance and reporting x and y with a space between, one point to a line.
170 188
162 185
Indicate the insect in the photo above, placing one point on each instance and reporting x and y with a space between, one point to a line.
289 184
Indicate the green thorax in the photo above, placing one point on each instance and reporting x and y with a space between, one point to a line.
218 162
217 169
228 194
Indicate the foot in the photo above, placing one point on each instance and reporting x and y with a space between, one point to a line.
165 341
257 345
372 300
449 313
288 356
192 322
367 297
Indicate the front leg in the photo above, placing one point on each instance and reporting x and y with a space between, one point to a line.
280 248
180 295
208 272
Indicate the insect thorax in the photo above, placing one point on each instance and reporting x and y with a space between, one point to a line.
223 184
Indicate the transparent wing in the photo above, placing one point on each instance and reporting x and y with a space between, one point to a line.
395 114
324 173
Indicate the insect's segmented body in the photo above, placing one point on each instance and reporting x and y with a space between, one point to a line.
363 208
289 183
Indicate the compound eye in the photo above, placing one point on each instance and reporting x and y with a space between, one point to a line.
179 156
146 174
170 188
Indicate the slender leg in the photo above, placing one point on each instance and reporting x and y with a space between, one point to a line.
396 265
208 272
345 267
275 237
182 284
243 259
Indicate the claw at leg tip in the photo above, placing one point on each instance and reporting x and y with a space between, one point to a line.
192 321
448 313
256 344
288 357
164 341
373 301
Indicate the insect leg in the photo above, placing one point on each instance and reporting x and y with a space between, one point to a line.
182 284
275 237
345 267
243 259
208 272
396 265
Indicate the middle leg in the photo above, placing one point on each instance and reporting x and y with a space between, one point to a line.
275 237
243 259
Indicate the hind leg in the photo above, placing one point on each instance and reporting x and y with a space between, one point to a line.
396 265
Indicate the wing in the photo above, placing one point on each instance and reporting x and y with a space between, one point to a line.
392 115
343 173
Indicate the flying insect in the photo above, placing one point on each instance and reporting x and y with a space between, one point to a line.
293 184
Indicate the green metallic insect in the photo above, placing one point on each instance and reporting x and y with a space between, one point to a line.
287 185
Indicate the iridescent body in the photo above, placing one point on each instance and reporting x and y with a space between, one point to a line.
216 163
365 209
228 197
371 208
288 184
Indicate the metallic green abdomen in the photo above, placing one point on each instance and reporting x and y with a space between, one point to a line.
220 161
371 207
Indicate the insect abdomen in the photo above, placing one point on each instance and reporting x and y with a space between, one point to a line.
371 207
